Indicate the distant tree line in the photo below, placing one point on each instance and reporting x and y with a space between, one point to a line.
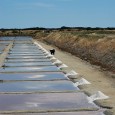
88 28
62 28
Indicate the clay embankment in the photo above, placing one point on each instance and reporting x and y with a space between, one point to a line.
99 49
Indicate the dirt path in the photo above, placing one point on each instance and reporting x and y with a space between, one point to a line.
100 81
4 54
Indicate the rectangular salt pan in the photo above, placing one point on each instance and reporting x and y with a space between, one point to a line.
25 49
30 69
31 54
26 57
28 64
15 38
32 76
26 60
26 52
42 86
5 42
22 38
45 102
6 38
24 46
22 43
2 47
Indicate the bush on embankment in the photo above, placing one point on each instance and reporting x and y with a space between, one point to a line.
96 47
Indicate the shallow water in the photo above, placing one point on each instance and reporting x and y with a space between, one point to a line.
31 57
26 54
25 48
33 76
27 86
2 48
26 64
26 57
30 69
26 60
45 101
29 51
5 42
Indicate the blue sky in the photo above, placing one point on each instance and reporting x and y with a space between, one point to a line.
57 13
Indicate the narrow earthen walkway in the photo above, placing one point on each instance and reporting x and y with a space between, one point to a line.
4 54
100 81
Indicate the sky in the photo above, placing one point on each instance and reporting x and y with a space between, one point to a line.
57 13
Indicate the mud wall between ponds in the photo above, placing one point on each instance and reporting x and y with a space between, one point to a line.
94 48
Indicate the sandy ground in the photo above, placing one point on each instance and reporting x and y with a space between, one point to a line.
100 80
